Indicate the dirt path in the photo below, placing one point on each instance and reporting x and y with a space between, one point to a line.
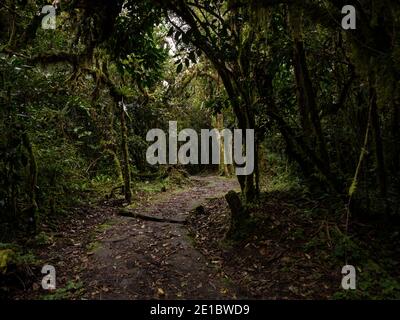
137 259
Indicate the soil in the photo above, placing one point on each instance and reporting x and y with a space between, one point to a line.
99 254
138 259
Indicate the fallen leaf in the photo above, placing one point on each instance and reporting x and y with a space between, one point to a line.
160 292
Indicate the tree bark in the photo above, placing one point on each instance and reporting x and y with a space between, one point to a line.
125 156
380 159
306 96
239 215
33 174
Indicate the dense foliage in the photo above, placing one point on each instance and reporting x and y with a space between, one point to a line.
76 102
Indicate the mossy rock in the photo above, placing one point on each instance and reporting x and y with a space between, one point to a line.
6 258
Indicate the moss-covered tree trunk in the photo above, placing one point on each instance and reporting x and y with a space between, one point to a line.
118 99
224 168
125 156
110 146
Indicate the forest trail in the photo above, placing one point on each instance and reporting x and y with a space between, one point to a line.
140 259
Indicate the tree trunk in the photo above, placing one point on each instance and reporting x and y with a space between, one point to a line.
224 169
298 149
32 181
239 216
306 95
380 160
395 128
125 155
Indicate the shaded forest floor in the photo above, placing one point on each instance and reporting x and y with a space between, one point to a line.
100 254
295 249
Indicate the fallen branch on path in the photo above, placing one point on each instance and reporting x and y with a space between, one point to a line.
132 214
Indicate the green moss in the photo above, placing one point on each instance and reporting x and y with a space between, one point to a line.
14 255
6 256
105 226
42 239
373 283
93 247
70 290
